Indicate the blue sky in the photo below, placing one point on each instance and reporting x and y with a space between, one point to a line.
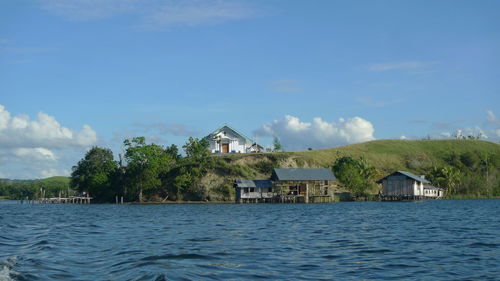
77 73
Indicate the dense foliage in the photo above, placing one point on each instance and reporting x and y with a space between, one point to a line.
22 189
465 168
355 174
94 174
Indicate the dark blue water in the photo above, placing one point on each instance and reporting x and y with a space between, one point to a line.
433 240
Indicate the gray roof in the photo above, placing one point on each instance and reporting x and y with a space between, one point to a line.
253 183
232 129
408 174
302 174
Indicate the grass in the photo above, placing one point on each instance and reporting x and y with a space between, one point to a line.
385 155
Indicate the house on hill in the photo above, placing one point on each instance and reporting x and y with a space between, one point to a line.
228 140
402 185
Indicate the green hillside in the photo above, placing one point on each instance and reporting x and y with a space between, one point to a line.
20 189
417 156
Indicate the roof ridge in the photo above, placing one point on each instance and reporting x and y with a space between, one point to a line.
236 131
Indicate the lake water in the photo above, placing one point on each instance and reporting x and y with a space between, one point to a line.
432 240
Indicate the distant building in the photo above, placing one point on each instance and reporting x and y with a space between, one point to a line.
253 191
228 140
405 185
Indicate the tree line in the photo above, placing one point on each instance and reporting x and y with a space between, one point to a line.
145 172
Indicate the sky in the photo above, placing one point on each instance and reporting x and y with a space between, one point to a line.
316 74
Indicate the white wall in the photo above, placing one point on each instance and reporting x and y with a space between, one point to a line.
236 142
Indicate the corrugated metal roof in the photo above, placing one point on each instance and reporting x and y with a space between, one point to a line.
408 174
253 183
302 174
232 129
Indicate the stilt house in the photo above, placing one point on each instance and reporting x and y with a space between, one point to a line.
303 185
403 185
254 191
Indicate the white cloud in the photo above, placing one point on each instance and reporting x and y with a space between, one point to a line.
45 131
38 153
399 65
492 119
152 13
30 148
295 134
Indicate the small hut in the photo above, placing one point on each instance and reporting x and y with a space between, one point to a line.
253 191
402 185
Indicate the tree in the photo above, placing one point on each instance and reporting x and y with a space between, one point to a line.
173 151
93 174
146 163
355 174
197 149
277 144
447 177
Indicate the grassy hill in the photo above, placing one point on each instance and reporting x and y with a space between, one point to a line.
417 156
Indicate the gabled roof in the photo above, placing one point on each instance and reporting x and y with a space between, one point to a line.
232 129
407 174
302 174
253 183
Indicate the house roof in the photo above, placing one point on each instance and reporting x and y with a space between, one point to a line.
232 129
407 174
428 186
302 174
253 183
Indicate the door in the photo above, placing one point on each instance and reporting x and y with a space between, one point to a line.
225 148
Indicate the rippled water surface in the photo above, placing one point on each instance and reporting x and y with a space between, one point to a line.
433 240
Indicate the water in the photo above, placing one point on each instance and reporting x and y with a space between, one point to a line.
433 240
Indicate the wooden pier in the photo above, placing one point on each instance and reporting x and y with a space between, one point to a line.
67 200
59 200
289 199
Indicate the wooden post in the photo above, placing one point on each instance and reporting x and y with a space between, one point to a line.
122 199
116 199
306 199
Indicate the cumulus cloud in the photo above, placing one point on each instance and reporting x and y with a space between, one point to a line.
44 131
295 134
29 148
38 153
489 130
152 13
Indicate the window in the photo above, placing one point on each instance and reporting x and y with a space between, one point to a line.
270 189
326 182
252 189
245 190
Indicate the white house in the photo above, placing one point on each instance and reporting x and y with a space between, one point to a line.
408 185
228 140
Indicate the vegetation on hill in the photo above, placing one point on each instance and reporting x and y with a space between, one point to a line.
465 168
22 189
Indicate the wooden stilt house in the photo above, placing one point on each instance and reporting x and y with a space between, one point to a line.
303 185
402 185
